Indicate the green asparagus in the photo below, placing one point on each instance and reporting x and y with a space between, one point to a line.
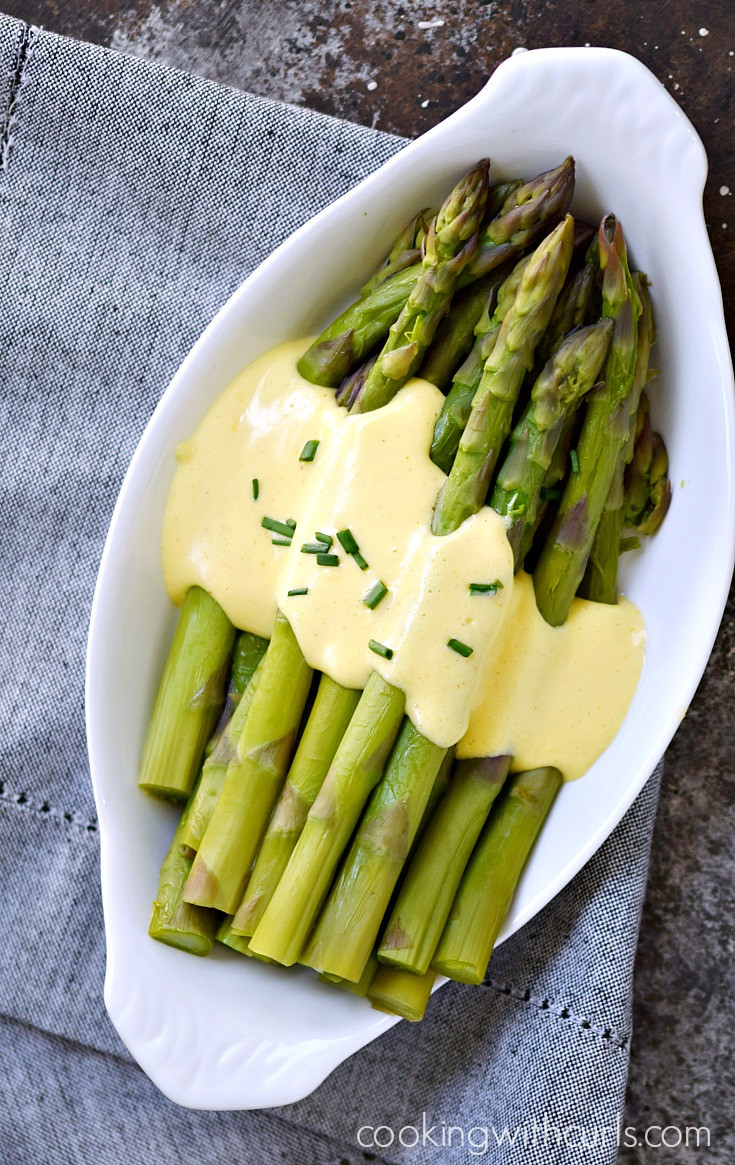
489 882
327 724
254 778
604 435
491 416
190 697
450 244
360 896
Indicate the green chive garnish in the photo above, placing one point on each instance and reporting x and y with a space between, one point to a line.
347 541
460 648
327 539
549 495
313 548
486 588
277 527
256 489
298 591
280 541
308 453
327 560
574 460
380 649
375 595
359 560
291 522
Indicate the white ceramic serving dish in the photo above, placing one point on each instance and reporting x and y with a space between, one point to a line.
228 1032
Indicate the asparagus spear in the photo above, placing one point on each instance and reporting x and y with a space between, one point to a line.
360 896
361 986
455 335
174 921
355 770
455 411
604 435
399 993
490 419
214 770
352 385
490 879
350 338
450 244
529 210
647 486
190 697
254 778
405 252
600 582
327 724
427 892
570 373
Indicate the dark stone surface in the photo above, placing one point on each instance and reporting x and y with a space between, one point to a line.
372 62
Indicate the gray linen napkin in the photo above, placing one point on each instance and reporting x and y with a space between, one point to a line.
134 200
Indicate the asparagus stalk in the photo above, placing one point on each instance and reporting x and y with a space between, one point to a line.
525 216
528 210
174 921
254 778
214 770
647 486
363 983
405 252
600 582
190 697
355 770
226 935
489 882
603 438
352 385
450 244
328 721
351 337
360 896
455 412
431 882
491 416
398 993
455 335
570 373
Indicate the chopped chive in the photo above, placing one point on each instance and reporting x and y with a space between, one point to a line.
327 560
460 648
298 591
574 460
380 649
347 541
486 588
375 595
280 541
549 495
308 453
277 527
256 489
291 522
313 548
359 560
327 539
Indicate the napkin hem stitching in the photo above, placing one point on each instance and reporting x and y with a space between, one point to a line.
561 1011
18 80
43 809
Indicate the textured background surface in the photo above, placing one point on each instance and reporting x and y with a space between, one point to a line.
401 68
